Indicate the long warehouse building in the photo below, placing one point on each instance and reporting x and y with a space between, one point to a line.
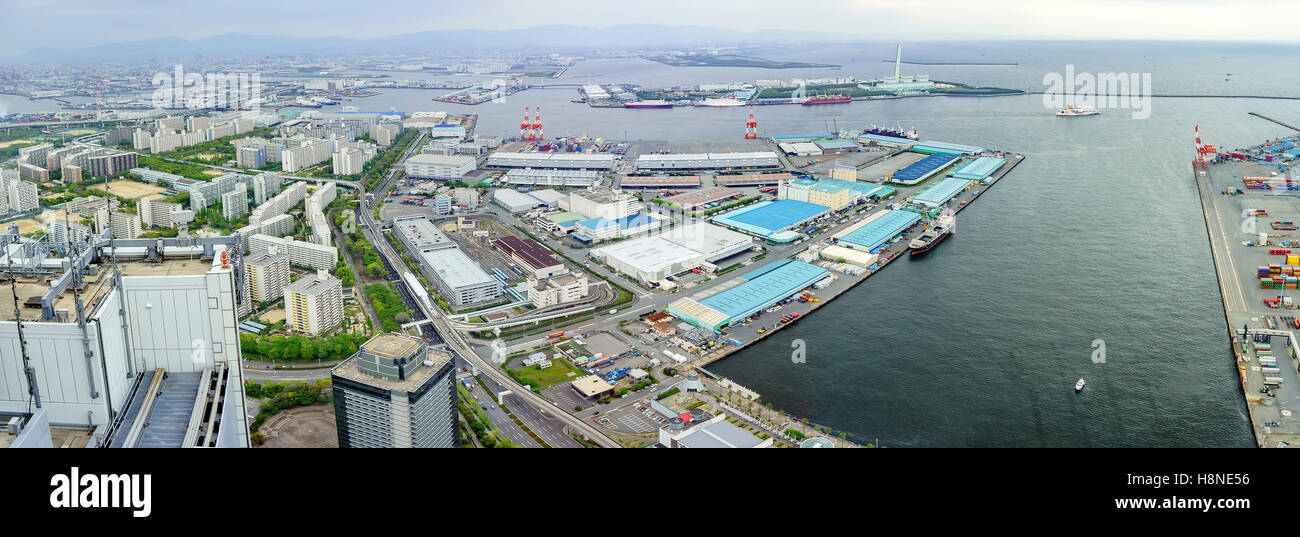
708 161
557 161
758 290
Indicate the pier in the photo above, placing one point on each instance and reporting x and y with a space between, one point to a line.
1240 259
1264 117
896 250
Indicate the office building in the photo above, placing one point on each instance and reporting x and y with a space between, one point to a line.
560 289
395 392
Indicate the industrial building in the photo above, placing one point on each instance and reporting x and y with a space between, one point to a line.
715 243
837 194
601 229
514 201
800 149
924 169
557 161
459 279
447 167
877 229
979 169
607 204
755 291
395 392
546 177
592 387
699 198
561 223
649 259
659 181
881 140
531 255
945 147
550 198
708 161
939 193
773 219
559 289
753 179
111 343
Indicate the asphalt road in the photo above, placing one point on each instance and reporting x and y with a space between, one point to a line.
371 229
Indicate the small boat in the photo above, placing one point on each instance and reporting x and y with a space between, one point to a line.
1072 111
1078 386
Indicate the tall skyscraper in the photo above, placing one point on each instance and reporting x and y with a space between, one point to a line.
395 392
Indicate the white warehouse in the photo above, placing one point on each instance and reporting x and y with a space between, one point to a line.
448 167
648 259
708 161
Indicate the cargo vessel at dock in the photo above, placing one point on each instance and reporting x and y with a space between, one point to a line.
721 102
649 104
826 99
942 227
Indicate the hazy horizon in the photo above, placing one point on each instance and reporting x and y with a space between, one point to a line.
83 24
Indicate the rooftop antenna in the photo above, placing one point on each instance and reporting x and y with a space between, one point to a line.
76 297
28 371
117 278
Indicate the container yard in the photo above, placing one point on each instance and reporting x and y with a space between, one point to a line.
1250 213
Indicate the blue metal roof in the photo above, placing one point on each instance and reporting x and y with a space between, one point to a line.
764 287
945 147
924 167
979 168
941 192
626 222
767 217
880 230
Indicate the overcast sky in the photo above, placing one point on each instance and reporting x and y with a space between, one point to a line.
32 24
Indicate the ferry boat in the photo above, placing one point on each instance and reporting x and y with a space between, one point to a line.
1078 386
1071 111
827 99
726 102
942 228
659 103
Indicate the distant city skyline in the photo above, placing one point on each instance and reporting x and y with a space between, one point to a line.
82 23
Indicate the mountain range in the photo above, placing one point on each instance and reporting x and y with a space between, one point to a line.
554 38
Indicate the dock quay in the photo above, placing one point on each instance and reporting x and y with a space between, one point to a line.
1248 204
747 333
